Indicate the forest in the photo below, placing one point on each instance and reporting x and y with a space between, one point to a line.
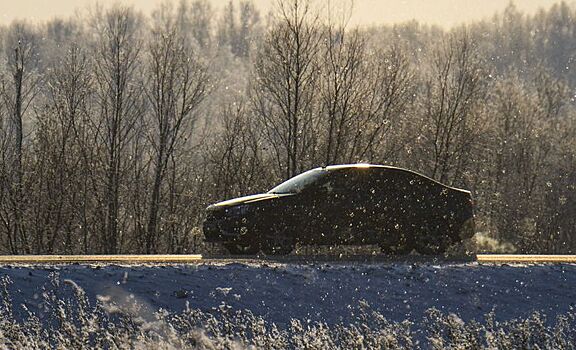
118 128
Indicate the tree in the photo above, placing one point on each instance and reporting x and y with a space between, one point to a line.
285 84
342 91
195 21
177 84
237 29
453 92
63 155
118 86
527 125
18 88
235 155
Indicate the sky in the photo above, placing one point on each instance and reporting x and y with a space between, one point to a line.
445 13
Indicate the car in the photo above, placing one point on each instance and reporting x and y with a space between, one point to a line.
355 204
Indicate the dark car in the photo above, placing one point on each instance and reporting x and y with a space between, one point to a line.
398 209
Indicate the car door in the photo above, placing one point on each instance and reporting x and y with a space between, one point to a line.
370 204
310 214
403 204
342 205
390 207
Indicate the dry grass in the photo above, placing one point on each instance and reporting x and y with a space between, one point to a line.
74 322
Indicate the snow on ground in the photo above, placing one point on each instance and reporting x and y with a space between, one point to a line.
329 292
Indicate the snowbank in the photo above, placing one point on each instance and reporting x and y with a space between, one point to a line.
328 292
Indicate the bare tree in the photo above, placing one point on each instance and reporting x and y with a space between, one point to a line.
18 88
235 155
388 89
61 190
237 28
454 89
285 86
177 85
119 97
106 144
528 133
195 21
342 90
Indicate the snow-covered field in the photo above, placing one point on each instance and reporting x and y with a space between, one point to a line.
318 292
330 293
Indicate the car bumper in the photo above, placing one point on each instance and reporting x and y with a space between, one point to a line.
222 230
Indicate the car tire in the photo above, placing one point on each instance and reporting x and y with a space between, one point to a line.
401 245
395 249
279 243
277 248
432 243
431 249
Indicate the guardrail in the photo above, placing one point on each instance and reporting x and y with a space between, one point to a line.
516 258
135 259
195 258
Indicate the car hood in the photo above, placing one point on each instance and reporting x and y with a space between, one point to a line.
247 199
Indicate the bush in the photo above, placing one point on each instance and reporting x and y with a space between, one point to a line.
71 321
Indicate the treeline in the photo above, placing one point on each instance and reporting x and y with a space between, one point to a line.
117 129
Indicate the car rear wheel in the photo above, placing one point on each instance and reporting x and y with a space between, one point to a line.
432 244
395 249
431 248
394 243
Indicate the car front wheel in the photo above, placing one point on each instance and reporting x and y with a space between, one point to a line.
279 242
277 248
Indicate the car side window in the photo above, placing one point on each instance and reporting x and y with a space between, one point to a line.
341 184
338 184
323 187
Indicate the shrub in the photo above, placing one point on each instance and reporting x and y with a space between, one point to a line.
70 321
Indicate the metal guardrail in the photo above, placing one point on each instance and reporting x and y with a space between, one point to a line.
195 258
515 258
128 259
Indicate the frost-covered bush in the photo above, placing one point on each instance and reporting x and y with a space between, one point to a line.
66 319
448 331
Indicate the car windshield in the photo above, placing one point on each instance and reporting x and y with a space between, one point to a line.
300 182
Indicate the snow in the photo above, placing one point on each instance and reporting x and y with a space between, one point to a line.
329 292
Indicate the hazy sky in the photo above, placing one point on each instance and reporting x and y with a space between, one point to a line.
441 12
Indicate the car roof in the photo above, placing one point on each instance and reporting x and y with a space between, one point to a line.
383 168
